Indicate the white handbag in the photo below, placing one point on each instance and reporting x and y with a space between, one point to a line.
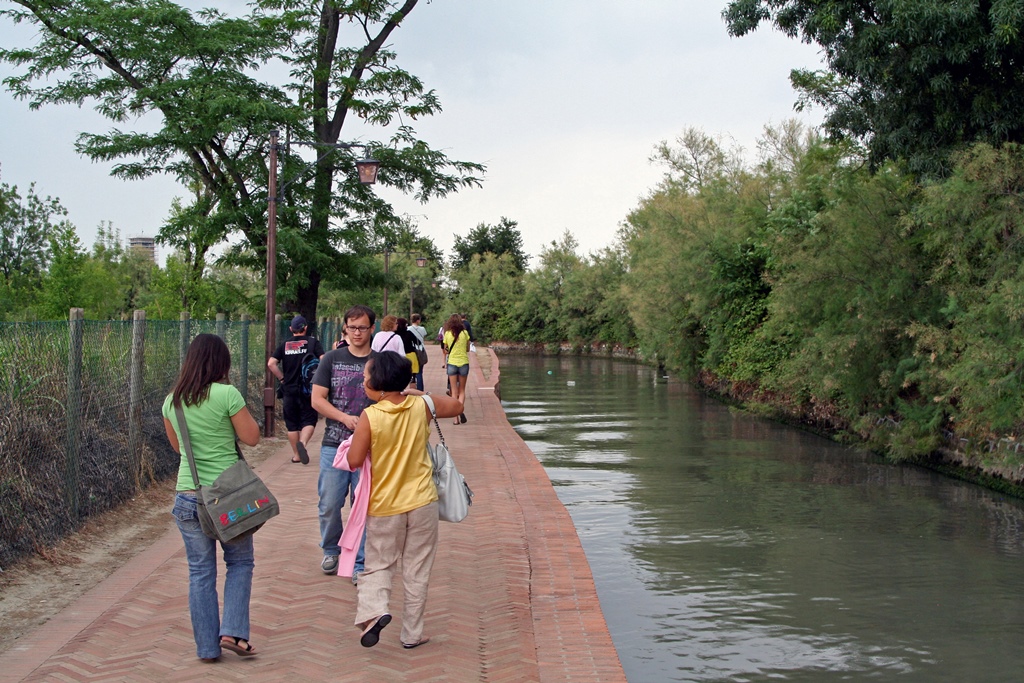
453 493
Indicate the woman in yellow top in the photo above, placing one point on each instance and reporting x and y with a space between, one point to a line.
456 348
401 522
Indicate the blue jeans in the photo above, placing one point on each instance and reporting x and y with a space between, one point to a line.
207 625
419 379
333 486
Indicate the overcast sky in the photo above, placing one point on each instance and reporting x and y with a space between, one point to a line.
562 100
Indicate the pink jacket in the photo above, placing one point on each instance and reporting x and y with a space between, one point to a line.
352 535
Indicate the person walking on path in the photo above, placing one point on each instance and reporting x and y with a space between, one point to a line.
467 326
409 341
401 522
421 333
416 327
294 363
456 349
338 395
216 415
388 338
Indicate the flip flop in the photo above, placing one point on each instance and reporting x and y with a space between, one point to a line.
303 453
422 641
371 634
233 644
462 418
297 462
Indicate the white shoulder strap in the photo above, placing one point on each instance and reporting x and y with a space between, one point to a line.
430 404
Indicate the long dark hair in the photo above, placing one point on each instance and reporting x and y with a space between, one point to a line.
455 326
207 361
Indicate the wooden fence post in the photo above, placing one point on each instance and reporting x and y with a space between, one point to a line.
72 465
243 361
136 375
183 338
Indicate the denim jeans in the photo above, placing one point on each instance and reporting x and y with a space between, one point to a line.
419 379
207 625
333 486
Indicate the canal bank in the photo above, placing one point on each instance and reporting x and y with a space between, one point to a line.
512 597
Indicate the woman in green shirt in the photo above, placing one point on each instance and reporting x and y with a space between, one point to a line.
216 415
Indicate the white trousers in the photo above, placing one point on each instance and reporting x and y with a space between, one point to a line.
409 538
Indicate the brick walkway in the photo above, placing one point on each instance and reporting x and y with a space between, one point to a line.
511 595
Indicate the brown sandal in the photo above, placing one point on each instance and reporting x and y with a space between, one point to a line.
235 645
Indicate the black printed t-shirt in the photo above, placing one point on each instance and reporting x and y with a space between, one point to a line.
290 355
342 374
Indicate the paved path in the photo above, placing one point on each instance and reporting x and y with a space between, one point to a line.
511 595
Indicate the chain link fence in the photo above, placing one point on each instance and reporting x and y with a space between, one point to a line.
80 424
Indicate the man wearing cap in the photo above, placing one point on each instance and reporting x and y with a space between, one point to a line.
293 360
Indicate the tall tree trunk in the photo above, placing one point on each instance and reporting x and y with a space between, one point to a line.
306 299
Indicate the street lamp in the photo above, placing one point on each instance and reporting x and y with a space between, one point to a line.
421 261
367 170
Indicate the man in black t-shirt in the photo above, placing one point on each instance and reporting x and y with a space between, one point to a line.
291 363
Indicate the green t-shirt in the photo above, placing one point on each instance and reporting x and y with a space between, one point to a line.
211 433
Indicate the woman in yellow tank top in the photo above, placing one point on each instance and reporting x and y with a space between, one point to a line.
455 344
401 522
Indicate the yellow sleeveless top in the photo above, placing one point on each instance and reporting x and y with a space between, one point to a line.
402 472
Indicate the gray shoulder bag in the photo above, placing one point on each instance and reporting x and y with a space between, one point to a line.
453 493
237 504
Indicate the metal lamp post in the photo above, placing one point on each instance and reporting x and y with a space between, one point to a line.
421 261
367 170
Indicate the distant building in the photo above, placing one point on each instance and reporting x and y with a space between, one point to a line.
146 245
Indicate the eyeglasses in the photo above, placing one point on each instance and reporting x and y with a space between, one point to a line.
358 328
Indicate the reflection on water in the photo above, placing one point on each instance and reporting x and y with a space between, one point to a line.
729 548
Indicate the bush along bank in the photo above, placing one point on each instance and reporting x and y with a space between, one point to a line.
996 464
852 298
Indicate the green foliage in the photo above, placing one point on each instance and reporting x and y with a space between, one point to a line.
489 287
26 226
913 79
847 293
195 75
972 227
565 298
595 307
862 300
363 279
503 238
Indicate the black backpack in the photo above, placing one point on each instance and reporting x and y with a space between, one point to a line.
309 365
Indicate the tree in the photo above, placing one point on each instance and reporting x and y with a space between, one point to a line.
971 360
196 75
913 79
25 228
489 287
65 279
696 160
503 238
595 307
540 311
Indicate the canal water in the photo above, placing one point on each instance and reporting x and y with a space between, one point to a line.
725 547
